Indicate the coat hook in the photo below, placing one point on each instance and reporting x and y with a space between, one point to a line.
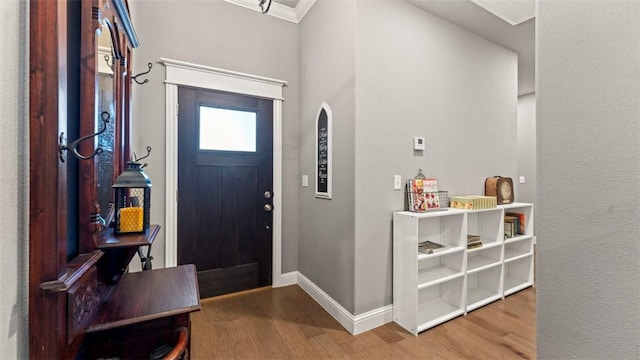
109 60
137 160
135 78
73 147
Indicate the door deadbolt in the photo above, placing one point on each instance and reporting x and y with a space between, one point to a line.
268 207
267 194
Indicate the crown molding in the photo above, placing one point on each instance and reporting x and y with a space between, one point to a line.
303 7
513 12
278 10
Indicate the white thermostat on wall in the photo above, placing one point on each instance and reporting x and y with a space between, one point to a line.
418 143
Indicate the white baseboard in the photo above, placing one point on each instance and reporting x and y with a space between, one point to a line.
355 324
344 317
286 279
372 319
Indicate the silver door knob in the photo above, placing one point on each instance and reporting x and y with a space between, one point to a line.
268 207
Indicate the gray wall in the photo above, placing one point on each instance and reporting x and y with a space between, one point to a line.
14 150
526 149
588 92
418 75
327 74
218 34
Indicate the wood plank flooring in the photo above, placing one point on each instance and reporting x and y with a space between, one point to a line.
285 323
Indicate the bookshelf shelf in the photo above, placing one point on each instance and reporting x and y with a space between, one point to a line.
436 275
480 263
518 274
435 313
483 286
484 247
479 297
517 238
429 289
514 254
517 248
486 257
440 252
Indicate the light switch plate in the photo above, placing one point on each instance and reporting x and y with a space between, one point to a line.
397 182
305 180
521 179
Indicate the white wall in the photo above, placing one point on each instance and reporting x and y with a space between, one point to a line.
327 74
526 149
13 177
222 35
588 130
418 75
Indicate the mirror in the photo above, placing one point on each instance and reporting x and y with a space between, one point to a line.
107 38
105 102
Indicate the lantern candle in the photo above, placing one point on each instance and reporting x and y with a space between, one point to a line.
132 200
131 219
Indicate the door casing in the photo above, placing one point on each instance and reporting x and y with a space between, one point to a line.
179 73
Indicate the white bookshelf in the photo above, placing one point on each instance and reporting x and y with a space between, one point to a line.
429 289
518 252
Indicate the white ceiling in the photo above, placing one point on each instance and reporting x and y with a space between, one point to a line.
493 21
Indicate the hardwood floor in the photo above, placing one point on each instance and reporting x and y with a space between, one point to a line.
285 323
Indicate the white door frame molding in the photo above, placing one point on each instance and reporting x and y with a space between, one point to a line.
182 73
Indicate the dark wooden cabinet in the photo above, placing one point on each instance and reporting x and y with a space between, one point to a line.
77 275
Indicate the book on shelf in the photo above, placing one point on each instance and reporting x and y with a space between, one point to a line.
422 194
509 230
430 187
415 195
520 229
472 238
429 247
510 226
473 241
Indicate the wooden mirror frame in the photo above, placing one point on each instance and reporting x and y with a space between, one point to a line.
115 15
64 294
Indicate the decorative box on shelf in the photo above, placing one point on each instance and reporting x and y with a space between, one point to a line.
473 202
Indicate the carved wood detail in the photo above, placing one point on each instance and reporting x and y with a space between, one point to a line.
83 302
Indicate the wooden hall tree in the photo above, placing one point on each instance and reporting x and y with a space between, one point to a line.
65 264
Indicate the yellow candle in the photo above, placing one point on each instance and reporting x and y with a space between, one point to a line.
131 219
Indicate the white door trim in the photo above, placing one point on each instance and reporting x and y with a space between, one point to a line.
205 77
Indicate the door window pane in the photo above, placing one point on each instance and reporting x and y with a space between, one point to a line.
228 130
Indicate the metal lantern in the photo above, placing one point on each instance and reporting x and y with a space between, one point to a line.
132 200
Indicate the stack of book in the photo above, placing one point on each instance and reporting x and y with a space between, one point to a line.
510 226
473 202
473 241
428 247
520 224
